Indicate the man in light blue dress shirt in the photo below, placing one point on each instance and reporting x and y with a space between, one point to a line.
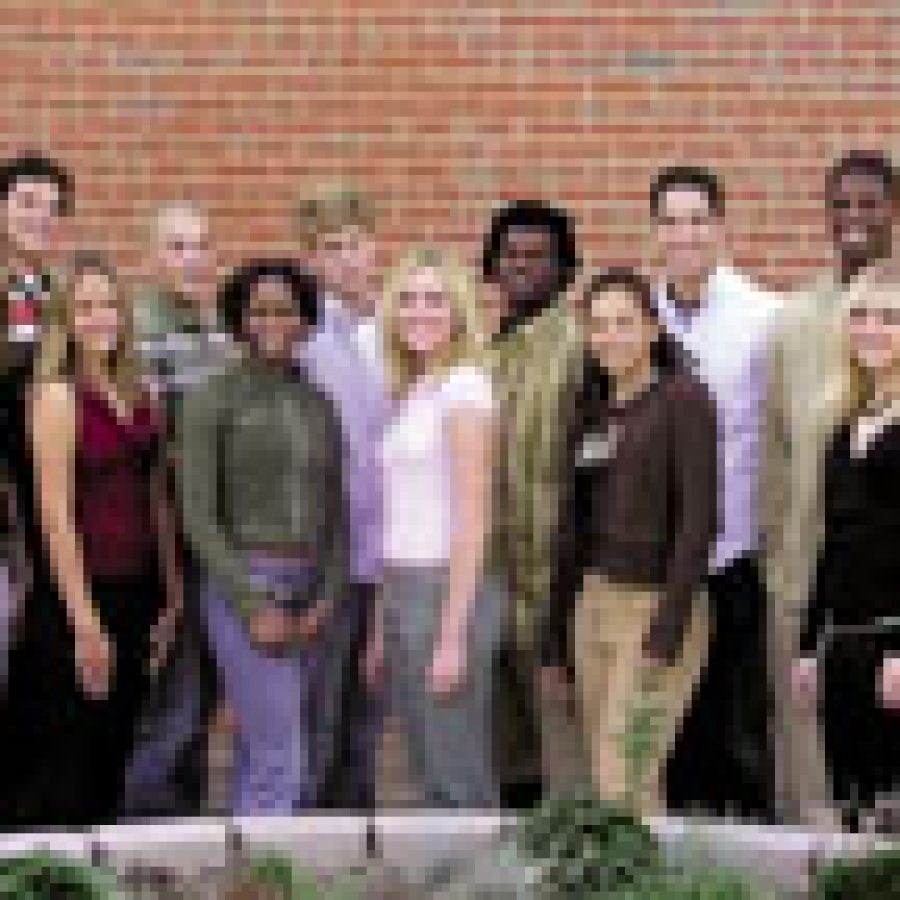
724 322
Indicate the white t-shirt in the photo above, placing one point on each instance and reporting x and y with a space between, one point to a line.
419 510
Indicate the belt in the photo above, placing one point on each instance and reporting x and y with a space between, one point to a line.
295 552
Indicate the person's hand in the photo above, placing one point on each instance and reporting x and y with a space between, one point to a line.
305 626
554 680
373 660
662 643
448 666
805 683
889 683
162 637
274 628
271 628
93 658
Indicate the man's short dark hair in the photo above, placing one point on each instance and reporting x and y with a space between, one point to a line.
37 169
872 165
234 296
533 215
689 178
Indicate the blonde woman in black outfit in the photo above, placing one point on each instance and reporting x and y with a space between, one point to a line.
851 648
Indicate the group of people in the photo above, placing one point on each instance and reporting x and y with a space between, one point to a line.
513 505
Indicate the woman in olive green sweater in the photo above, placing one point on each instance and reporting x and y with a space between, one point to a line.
263 508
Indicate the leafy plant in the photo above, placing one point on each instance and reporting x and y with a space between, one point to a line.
587 847
874 878
585 844
638 742
273 877
46 877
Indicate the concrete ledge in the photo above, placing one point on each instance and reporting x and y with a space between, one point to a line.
321 843
774 857
182 852
423 844
65 845
422 840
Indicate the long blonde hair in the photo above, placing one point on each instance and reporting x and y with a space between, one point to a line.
878 289
468 341
58 357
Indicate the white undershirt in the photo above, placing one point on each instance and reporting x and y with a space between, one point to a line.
419 495
868 428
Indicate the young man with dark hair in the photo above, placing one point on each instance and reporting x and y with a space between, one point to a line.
36 195
530 255
807 390
530 260
723 322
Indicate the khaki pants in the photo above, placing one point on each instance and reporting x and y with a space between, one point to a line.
620 691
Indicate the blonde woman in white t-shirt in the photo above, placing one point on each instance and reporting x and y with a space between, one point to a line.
441 621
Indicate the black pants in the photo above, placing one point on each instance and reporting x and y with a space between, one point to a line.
861 738
351 784
719 764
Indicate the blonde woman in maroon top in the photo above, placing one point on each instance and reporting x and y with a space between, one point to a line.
107 588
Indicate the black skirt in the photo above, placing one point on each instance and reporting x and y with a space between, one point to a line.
64 752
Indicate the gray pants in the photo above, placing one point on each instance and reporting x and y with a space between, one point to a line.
449 737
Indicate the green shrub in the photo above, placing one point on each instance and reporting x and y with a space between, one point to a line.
45 877
584 844
874 878
587 848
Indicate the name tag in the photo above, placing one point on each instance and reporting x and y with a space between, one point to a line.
597 448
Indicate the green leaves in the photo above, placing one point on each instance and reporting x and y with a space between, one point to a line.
45 877
875 878
587 847
276 878
639 741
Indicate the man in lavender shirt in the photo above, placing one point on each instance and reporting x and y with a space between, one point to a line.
724 322
345 359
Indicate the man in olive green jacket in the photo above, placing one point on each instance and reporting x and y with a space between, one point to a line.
529 262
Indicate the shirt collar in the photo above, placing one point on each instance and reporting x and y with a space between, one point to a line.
333 317
722 279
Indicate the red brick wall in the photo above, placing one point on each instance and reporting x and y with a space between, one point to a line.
448 106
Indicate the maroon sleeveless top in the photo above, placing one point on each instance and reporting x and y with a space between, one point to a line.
115 503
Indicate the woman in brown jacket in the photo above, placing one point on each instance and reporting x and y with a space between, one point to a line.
637 521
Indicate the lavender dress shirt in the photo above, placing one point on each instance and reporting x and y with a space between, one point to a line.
344 361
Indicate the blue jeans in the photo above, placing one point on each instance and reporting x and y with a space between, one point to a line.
280 701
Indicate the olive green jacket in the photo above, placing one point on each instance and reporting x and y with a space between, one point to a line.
532 367
261 466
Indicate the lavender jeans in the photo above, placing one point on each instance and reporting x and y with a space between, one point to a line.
284 704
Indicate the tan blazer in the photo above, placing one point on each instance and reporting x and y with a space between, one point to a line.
809 389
